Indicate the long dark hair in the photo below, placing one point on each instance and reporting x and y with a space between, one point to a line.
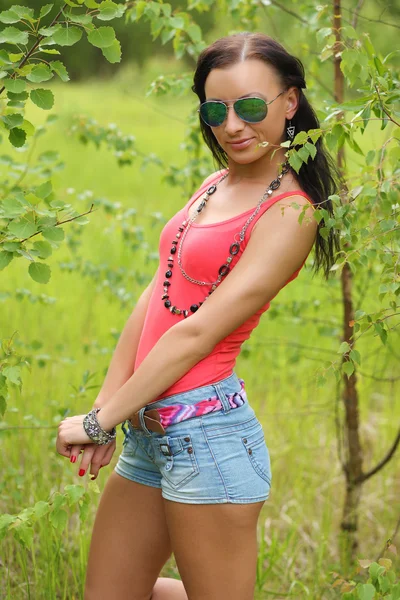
319 178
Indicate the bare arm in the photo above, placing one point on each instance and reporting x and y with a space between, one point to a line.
277 247
122 363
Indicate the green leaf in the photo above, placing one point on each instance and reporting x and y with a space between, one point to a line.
348 367
13 120
113 53
45 10
12 35
14 85
43 249
194 32
48 50
17 137
18 97
344 347
74 493
39 272
44 190
13 374
23 12
102 37
108 10
59 518
304 154
366 591
42 98
311 149
9 16
59 68
41 508
295 161
140 6
67 36
54 234
24 534
40 73
5 259
82 19
48 31
23 227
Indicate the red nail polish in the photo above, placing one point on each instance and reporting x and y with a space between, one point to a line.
81 472
73 459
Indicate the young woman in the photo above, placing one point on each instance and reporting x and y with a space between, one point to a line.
195 471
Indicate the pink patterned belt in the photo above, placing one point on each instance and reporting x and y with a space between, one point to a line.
158 419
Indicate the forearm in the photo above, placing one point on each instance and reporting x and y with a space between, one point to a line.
175 353
123 361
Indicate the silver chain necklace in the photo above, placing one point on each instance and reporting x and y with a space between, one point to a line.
234 248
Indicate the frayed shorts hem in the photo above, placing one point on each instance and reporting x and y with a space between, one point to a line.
213 500
190 500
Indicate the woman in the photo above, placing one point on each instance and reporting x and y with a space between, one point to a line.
195 470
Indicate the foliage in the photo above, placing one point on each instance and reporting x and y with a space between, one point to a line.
382 581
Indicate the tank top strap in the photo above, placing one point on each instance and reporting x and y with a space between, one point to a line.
268 203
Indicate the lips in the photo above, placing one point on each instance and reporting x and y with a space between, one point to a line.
237 145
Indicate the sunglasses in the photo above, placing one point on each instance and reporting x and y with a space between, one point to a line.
250 110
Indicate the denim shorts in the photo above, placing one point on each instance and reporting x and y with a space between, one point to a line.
215 458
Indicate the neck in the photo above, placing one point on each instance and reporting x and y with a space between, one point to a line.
262 170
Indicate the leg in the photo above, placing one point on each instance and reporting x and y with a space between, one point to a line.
130 542
215 547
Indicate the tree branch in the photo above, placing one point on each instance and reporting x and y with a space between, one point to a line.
382 463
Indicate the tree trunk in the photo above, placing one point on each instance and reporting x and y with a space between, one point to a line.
352 459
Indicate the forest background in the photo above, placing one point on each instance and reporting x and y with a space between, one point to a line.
122 139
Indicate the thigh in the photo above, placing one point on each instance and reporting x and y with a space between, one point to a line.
215 547
130 542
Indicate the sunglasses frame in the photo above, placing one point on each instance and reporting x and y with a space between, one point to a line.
234 102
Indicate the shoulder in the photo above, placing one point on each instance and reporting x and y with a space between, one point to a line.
212 177
294 209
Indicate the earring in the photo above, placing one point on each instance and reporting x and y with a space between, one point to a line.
290 130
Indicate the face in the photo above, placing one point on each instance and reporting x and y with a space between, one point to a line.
252 77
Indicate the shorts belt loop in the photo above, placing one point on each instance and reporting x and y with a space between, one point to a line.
141 420
226 407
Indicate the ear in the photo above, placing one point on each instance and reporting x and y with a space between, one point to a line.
292 102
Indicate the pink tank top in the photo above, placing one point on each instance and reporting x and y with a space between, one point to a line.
201 264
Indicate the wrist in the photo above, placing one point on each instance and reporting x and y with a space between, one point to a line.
94 429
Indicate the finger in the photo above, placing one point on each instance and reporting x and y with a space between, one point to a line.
102 458
108 455
75 451
87 456
98 460
62 447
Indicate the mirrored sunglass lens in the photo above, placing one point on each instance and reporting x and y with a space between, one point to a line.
213 113
251 109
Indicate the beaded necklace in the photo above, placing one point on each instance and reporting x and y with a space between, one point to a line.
233 249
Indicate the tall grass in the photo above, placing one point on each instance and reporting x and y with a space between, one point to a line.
77 330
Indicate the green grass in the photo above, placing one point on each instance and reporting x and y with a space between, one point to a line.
78 332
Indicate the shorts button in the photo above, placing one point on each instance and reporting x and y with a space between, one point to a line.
187 439
245 440
250 451
190 449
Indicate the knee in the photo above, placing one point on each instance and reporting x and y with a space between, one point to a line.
167 588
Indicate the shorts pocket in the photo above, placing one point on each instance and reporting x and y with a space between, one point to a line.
258 454
129 445
178 463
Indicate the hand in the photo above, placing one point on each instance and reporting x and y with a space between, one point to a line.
93 454
71 432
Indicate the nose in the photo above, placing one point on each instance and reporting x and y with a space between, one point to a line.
233 123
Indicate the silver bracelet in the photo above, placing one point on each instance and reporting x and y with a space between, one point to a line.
95 432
